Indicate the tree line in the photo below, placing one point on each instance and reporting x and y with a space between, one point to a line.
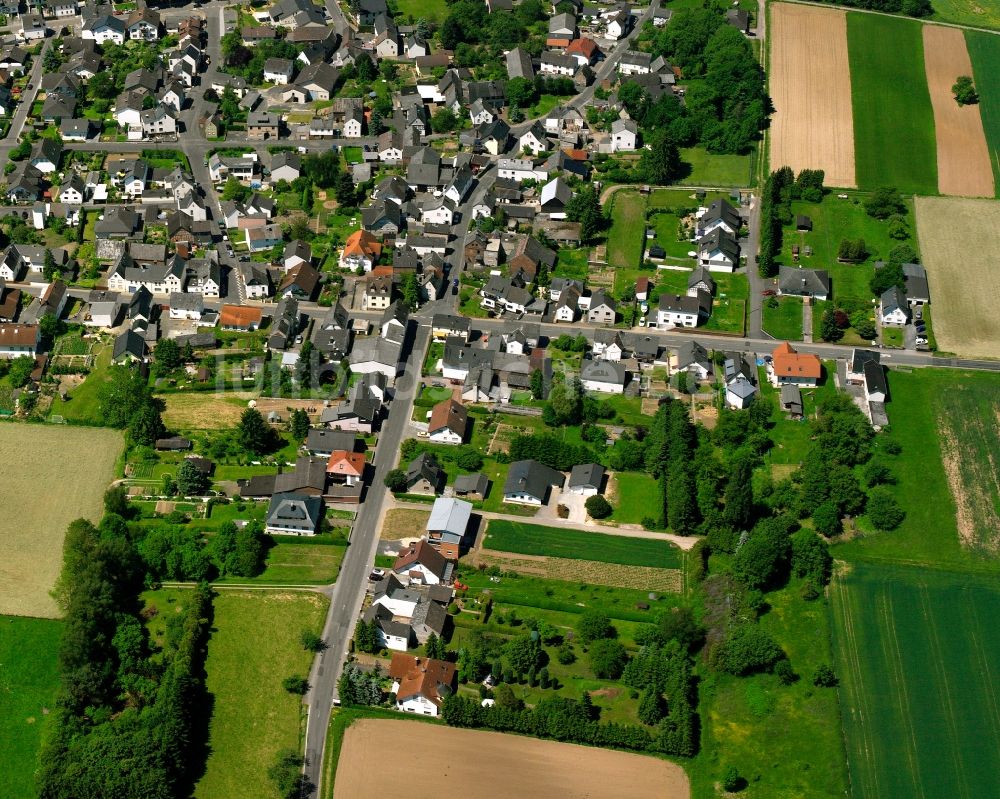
780 188
127 719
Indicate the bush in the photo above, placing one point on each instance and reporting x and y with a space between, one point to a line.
965 91
594 625
310 641
598 507
731 781
748 649
824 677
566 655
295 685
883 510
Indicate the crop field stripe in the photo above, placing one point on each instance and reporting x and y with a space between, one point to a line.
984 52
894 140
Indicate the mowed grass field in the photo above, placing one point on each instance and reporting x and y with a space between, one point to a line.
976 13
984 51
919 663
53 474
627 235
534 539
254 646
960 243
893 121
28 681
941 417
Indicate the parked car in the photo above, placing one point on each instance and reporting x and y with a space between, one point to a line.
377 574
921 341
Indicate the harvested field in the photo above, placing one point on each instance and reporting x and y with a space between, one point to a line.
203 411
586 571
810 83
63 479
404 523
959 242
516 766
963 159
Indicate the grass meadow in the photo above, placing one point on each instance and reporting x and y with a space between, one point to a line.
919 661
533 539
984 51
29 678
254 646
632 491
625 240
785 741
945 422
709 169
894 140
976 13
783 322
61 476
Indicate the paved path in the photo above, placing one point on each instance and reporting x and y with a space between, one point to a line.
807 322
626 531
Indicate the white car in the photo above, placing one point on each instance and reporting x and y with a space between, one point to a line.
921 341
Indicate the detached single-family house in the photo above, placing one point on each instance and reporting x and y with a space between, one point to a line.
361 250
789 366
448 525
586 479
422 564
425 476
17 340
719 251
448 423
795 281
421 684
529 483
675 310
294 514
607 377
624 135
893 307
720 214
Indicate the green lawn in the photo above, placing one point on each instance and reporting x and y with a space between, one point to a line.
833 221
666 222
430 10
627 234
785 741
294 562
546 103
926 407
29 678
894 140
892 336
352 155
918 656
83 405
785 321
572 263
984 51
533 539
254 646
632 499
710 169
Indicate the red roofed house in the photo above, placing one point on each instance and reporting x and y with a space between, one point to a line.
642 288
239 317
346 467
449 423
795 368
421 563
361 249
583 50
421 684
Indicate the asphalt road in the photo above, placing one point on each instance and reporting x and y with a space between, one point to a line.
349 590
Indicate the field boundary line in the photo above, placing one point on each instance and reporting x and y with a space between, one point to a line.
860 710
894 659
921 20
945 679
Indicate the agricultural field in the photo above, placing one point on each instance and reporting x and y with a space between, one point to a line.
253 717
963 159
894 138
959 240
533 539
786 741
918 655
810 85
945 424
984 52
64 479
516 766
976 13
783 318
28 681
833 221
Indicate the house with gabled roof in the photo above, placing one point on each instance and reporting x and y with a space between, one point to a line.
789 366
448 423
719 251
421 564
425 476
529 483
421 684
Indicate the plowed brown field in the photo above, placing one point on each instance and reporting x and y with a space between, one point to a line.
491 765
813 124
963 159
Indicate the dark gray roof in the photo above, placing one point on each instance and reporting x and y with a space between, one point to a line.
603 372
719 239
803 282
471 483
691 352
875 378
323 442
295 509
532 478
721 210
892 299
701 275
425 467
587 475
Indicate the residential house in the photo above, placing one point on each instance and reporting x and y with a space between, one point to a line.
607 377
740 374
448 525
425 476
789 366
448 423
719 251
242 318
128 347
421 564
586 479
529 483
361 251
692 358
294 514
876 386
856 364
675 310
719 214
278 70
420 685
624 135
795 281
286 166
17 340
603 309
262 125
346 467
894 310
378 293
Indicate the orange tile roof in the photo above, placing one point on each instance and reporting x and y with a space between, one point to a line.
239 316
789 363
584 46
577 155
349 464
420 676
361 242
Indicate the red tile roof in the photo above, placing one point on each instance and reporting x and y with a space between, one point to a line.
421 677
789 363
348 464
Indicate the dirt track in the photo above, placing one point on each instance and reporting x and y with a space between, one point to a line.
963 159
491 765
813 125
959 242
